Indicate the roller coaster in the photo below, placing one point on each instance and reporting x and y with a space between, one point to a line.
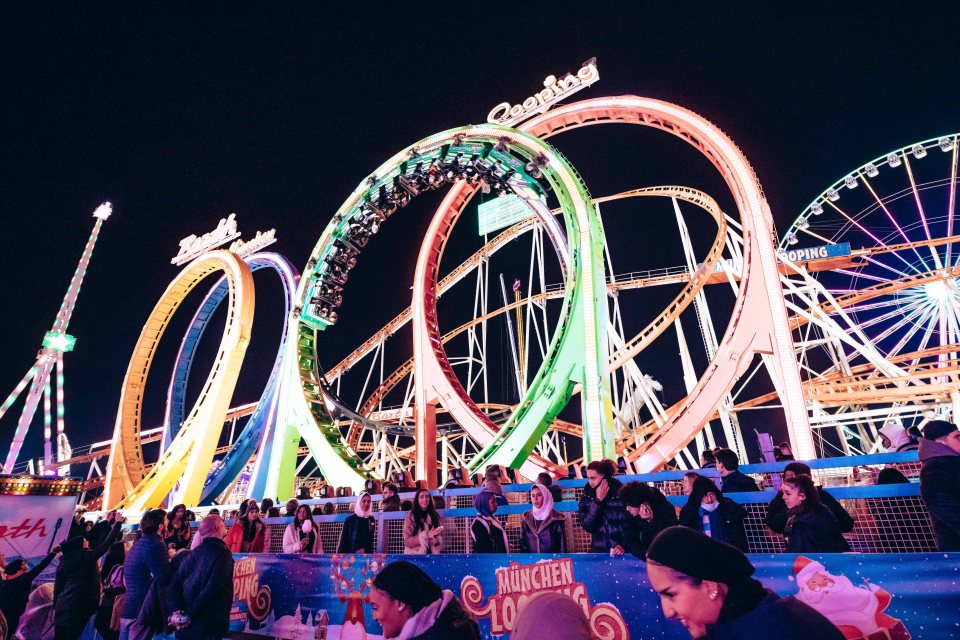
851 320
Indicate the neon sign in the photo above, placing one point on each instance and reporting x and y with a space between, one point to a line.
553 92
244 248
193 246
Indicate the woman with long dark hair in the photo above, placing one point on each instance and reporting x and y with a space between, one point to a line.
248 533
811 526
302 535
178 529
422 532
708 586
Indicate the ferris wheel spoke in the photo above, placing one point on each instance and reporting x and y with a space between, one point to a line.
893 220
952 198
877 240
872 306
914 319
923 215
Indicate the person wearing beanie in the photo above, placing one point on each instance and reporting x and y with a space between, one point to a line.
15 587
548 615
709 512
940 481
357 534
410 606
76 588
708 586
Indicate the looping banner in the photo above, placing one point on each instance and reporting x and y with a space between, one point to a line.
320 597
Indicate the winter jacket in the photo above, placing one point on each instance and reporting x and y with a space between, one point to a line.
640 533
777 512
76 588
15 593
488 538
390 504
731 516
417 542
940 490
814 530
775 618
147 560
547 536
357 535
202 588
605 520
735 481
292 536
238 545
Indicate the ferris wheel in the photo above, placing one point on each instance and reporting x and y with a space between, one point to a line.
871 281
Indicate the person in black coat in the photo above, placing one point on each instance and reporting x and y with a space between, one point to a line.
810 528
542 528
709 512
776 518
708 586
486 532
358 528
76 588
601 511
940 481
732 480
16 586
202 587
650 513
408 604
101 529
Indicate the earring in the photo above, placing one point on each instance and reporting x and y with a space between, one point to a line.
713 595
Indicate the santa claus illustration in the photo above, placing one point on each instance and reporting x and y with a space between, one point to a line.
856 610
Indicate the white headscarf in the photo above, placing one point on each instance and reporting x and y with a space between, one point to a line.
357 509
543 512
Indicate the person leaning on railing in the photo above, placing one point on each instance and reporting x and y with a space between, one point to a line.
542 527
422 532
650 513
777 514
811 527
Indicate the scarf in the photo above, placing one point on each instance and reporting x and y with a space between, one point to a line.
481 502
357 509
423 620
543 512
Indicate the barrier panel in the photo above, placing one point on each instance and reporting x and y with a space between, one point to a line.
895 597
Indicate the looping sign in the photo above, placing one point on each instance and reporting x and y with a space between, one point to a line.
554 90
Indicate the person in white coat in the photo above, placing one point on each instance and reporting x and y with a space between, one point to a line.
422 531
302 535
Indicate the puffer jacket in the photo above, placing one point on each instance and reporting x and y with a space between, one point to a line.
814 530
605 520
940 490
202 588
544 537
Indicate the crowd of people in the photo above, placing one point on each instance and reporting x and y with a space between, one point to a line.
177 578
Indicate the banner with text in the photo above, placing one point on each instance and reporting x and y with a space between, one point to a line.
897 597
30 526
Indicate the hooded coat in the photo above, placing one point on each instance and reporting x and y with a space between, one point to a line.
731 514
940 490
605 520
76 588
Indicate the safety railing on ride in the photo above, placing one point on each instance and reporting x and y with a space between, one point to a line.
887 518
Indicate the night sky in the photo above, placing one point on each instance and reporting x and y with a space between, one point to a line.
182 115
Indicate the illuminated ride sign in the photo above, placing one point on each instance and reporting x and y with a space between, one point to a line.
195 246
815 253
553 92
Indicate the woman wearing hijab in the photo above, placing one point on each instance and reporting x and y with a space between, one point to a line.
550 614
302 535
422 533
542 528
410 606
707 586
486 531
248 534
811 527
357 534
36 623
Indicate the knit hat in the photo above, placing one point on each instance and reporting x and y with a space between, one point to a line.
937 429
804 568
699 556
